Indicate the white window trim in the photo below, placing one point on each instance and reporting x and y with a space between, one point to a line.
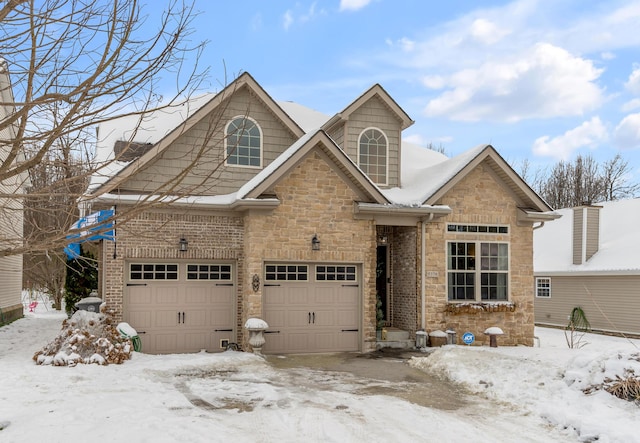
386 139
548 281
478 272
226 133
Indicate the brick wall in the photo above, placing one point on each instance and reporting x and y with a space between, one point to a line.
404 274
314 200
155 236
480 199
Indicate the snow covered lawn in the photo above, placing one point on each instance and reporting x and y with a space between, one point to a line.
518 395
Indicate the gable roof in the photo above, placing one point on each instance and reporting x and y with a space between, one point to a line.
618 248
426 174
319 140
196 112
430 183
375 91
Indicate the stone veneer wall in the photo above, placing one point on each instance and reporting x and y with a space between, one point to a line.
155 235
314 200
480 199
404 274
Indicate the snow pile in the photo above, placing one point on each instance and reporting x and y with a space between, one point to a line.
87 337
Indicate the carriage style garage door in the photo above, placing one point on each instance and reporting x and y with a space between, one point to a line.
181 307
311 308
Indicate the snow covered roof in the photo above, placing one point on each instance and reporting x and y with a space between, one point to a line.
618 249
307 118
425 174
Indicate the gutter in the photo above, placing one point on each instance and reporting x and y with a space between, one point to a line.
415 211
236 205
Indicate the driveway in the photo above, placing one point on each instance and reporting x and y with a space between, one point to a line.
383 372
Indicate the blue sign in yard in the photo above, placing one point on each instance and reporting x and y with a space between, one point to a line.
468 338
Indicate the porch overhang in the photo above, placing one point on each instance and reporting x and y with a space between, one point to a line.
398 215
528 216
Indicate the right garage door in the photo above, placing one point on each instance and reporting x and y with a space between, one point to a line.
311 308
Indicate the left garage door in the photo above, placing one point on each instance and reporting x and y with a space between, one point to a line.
179 307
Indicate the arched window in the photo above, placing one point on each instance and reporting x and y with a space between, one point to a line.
244 142
372 157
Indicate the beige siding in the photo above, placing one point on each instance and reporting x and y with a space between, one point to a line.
374 113
611 303
578 224
11 219
337 134
593 231
209 175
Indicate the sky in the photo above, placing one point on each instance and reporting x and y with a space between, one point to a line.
515 394
538 79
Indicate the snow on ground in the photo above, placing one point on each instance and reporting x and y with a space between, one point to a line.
516 395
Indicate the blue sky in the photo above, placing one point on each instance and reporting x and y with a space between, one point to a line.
542 80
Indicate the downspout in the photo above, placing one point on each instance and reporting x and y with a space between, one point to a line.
423 266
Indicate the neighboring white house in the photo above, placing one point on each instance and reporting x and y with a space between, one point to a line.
590 258
11 214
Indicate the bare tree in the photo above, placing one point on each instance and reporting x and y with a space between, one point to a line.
50 207
75 64
585 181
616 175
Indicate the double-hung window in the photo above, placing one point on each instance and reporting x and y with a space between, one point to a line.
477 271
543 287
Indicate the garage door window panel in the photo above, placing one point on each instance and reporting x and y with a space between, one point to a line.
335 273
153 271
286 272
209 272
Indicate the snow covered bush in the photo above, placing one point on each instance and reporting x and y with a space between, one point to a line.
87 337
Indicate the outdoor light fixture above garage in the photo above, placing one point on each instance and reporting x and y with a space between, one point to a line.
184 244
315 243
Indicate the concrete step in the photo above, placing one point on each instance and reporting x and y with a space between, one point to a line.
395 334
396 344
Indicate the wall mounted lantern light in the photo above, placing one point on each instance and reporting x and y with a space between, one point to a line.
315 243
184 244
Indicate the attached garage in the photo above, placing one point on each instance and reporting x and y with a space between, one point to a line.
312 307
179 307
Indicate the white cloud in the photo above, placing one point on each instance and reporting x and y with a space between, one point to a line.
607 55
627 133
631 105
588 134
287 19
290 17
633 84
434 81
486 31
353 5
405 44
546 81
